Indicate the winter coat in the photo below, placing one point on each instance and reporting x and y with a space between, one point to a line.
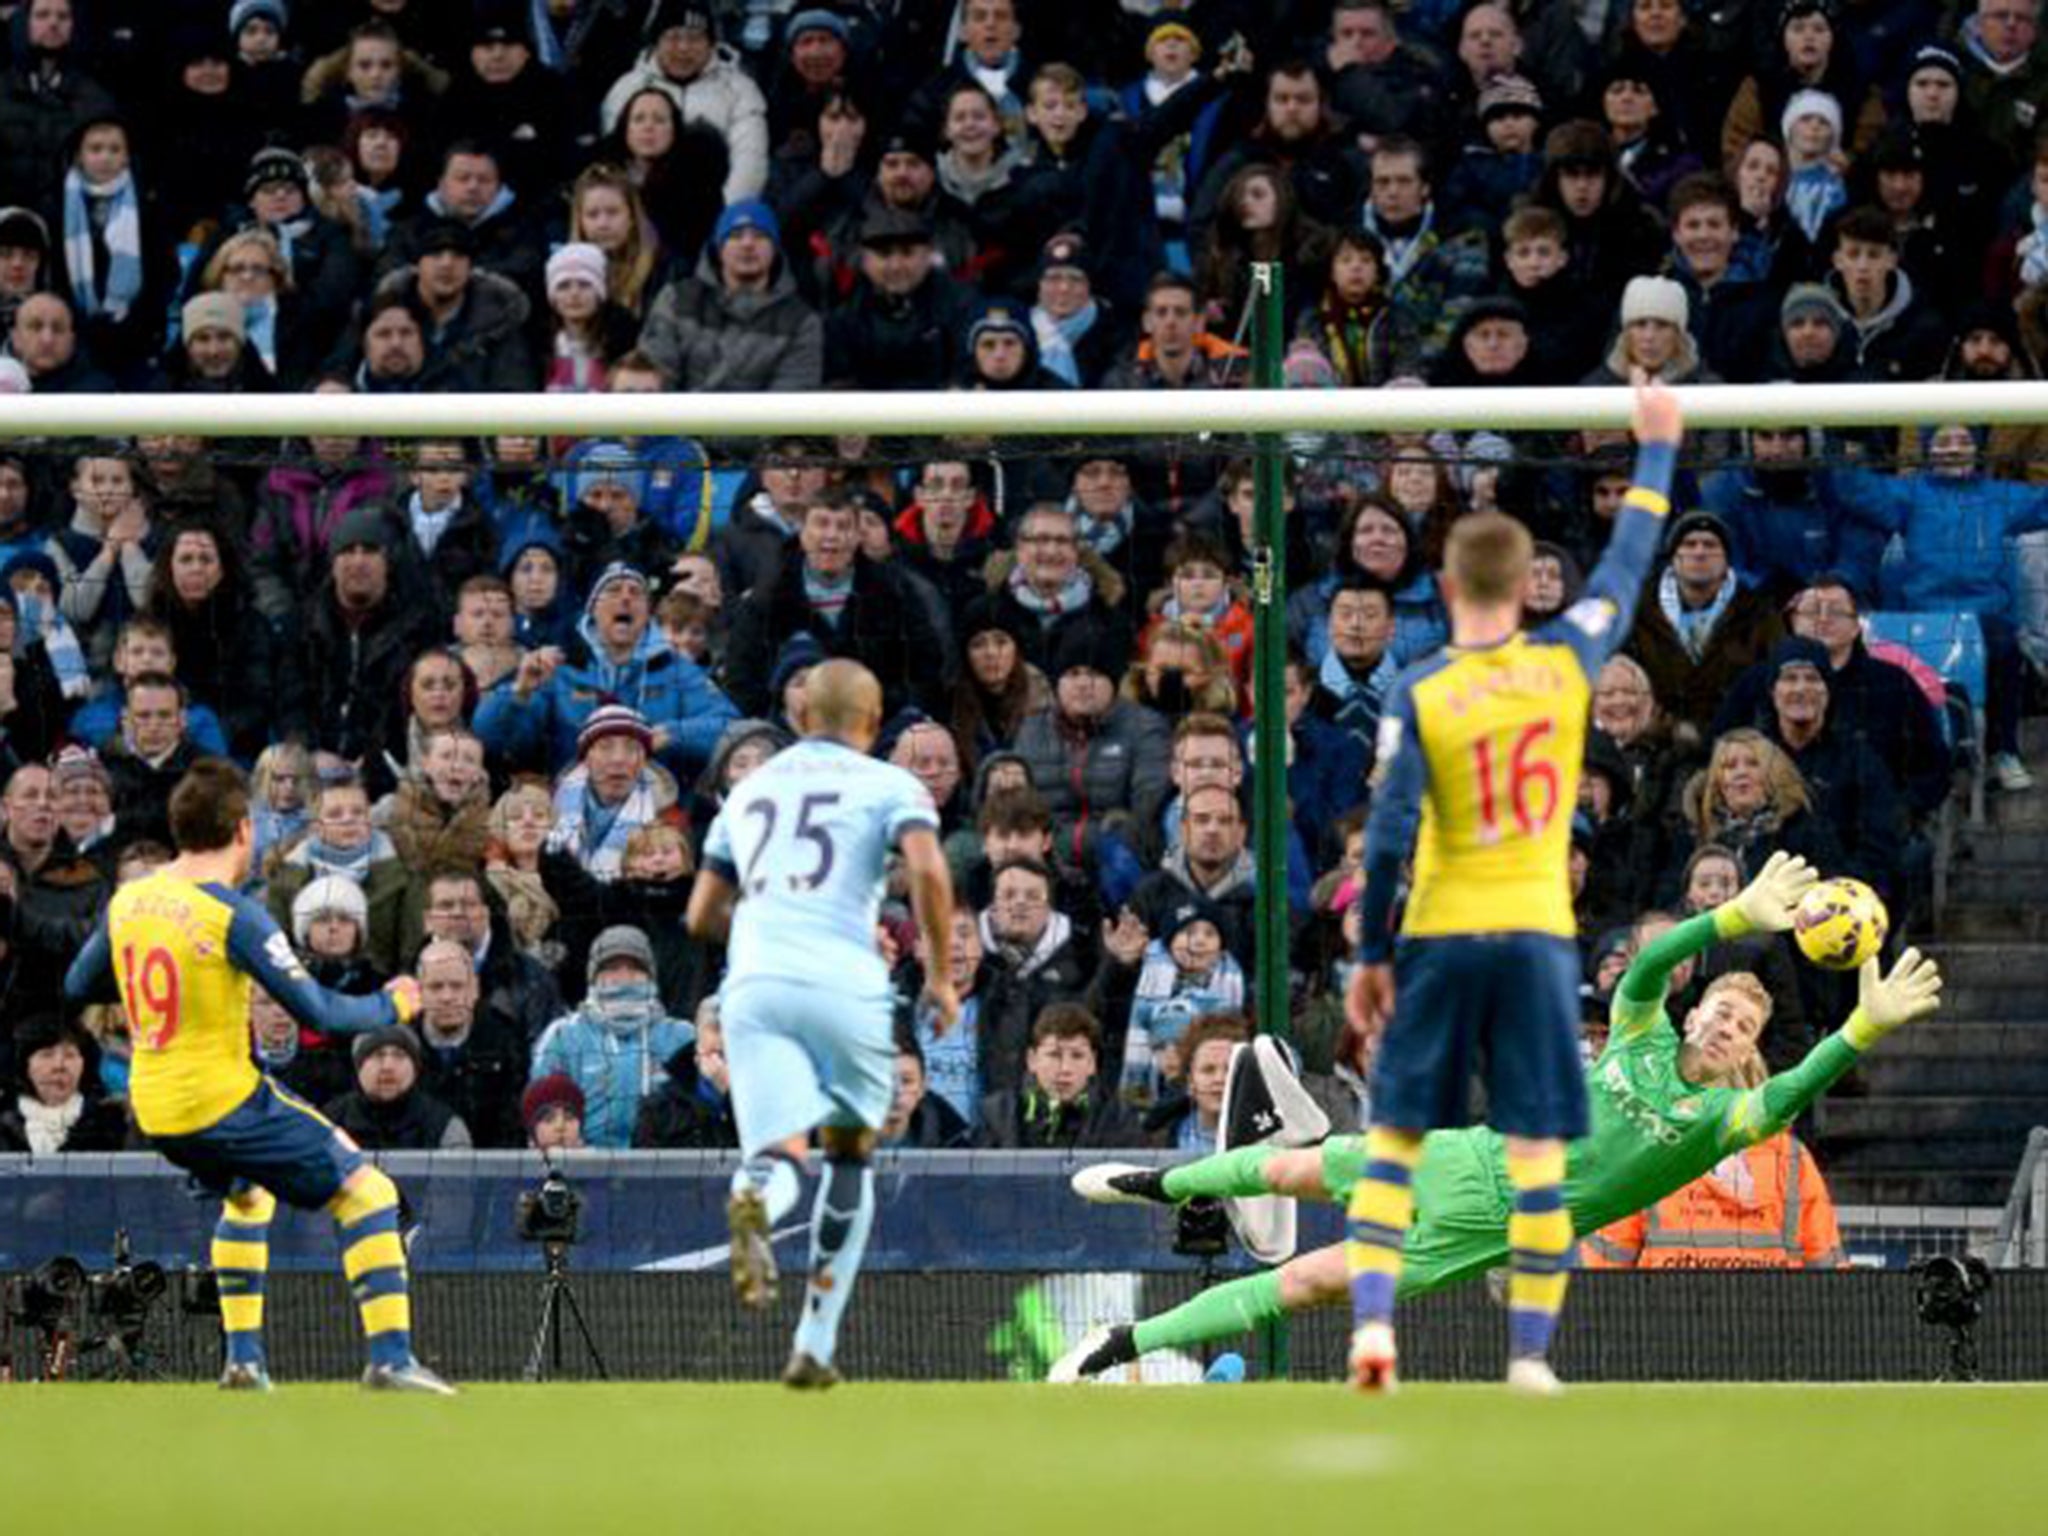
1691 691
881 626
685 1111
482 1079
229 660
1859 799
748 549
1118 771
431 834
102 1126
1041 635
724 96
1012 998
141 791
1024 1118
39 118
352 676
671 692
415 1122
1956 530
1789 526
393 897
1732 322
507 246
710 340
877 341
615 1071
302 505
53 913
1903 342
484 345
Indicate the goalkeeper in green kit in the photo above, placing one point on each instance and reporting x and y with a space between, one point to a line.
1666 1109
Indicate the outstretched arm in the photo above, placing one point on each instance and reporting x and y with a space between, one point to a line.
257 945
1765 905
91 976
1912 991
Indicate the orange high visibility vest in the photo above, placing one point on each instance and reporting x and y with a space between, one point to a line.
1784 1220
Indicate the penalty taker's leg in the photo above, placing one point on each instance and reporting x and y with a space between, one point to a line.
241 1262
373 1258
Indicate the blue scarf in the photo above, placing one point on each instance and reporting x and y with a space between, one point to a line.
499 204
594 834
1058 338
350 863
1693 626
828 599
1814 194
1103 535
260 324
1073 595
1403 251
117 212
427 526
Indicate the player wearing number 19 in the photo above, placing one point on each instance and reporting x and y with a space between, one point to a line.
183 947
1482 743
806 1001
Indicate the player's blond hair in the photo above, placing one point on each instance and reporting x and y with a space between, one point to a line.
1487 558
1743 984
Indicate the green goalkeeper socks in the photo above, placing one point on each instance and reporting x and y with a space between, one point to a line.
1241 1171
1237 1306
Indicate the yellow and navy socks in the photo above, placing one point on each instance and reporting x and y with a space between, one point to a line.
1382 1205
241 1260
1540 1242
373 1258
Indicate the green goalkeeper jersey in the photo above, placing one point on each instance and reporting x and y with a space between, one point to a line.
1653 1132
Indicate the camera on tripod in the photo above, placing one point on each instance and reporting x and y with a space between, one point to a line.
1201 1230
1949 1293
551 1212
76 1313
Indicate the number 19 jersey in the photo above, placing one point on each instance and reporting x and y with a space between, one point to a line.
804 839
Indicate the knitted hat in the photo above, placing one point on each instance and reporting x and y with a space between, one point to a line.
557 1090
613 720
76 762
1812 299
367 1045
621 941
1699 521
1066 251
22 229
1184 915
694 14
577 262
363 526
748 213
610 460
1798 651
1087 642
242 12
267 167
1654 298
213 312
799 653
612 575
1934 56
999 319
817 19
1811 104
330 893
1792 10
1179 29
445 234
1509 93
499 21
1578 145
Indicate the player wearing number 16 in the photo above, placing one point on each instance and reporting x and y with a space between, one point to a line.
1479 748
183 946
806 1002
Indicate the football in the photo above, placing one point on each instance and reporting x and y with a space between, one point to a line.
1840 924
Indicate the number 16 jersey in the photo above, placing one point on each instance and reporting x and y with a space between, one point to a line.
805 839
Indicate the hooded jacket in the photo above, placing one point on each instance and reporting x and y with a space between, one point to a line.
671 692
723 96
303 504
710 340
616 1069
483 346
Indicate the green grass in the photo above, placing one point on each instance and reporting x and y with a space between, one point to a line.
1249 1460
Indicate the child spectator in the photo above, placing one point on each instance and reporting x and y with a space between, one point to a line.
1186 974
1353 322
1814 190
1493 174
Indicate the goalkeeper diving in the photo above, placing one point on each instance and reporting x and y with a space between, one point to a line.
1665 1109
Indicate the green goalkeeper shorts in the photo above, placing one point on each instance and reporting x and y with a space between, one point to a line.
1462 1204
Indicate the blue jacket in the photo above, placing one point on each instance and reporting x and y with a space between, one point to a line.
615 1071
1957 531
672 693
98 725
557 624
1790 527
1326 778
1421 624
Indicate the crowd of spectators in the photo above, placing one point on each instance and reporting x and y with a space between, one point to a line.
493 692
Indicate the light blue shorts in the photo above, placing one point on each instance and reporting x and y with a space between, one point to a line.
804 1055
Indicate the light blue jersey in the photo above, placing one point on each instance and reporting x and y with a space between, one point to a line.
803 839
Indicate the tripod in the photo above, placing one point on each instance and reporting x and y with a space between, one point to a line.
558 1296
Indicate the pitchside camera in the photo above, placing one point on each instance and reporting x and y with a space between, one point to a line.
42 1298
1201 1230
1950 1294
551 1211
124 1294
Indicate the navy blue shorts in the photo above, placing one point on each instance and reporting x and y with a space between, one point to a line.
273 1139
1503 1007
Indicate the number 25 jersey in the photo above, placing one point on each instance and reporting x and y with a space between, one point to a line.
805 840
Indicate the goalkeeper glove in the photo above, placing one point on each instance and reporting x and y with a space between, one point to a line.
1767 904
1883 1003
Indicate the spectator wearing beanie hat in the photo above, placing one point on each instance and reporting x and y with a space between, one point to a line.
618 654
325 271
612 792
1652 335
1002 351
591 332
213 355
614 1047
552 1111
1810 347
388 1110
1699 628
709 85
477 320
738 322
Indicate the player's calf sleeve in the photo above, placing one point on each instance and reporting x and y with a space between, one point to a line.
241 1260
1221 1311
1382 1205
1540 1240
373 1258
773 1177
841 1219
1240 1171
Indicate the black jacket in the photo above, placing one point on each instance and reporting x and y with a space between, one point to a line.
418 1122
102 1127
351 677
1024 1117
482 1079
678 1114
882 626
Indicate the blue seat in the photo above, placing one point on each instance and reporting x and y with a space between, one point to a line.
1953 645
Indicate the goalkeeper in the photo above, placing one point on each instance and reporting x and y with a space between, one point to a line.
1665 1111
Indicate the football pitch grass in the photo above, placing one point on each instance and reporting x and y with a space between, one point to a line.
573 1459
